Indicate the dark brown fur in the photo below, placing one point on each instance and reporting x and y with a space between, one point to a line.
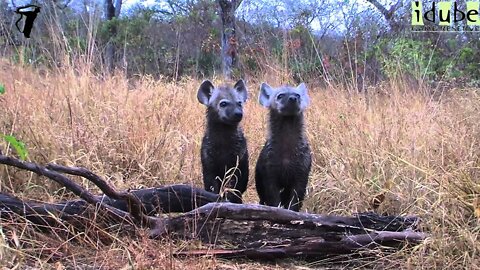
224 147
284 163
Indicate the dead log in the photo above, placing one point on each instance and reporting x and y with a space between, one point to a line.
39 213
78 190
140 203
263 232
168 199
315 247
229 230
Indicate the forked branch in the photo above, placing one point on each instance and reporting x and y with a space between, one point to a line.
75 188
135 207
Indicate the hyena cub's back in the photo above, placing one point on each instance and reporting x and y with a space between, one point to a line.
224 147
283 167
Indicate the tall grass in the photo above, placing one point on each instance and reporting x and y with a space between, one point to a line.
395 149
419 154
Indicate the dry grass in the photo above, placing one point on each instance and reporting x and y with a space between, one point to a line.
422 153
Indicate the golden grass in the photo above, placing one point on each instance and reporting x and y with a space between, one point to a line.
421 152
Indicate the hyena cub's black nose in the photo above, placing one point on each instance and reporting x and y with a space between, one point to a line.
293 99
237 116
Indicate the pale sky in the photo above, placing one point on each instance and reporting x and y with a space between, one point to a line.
128 3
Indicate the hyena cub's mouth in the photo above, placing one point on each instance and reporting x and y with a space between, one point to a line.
290 110
234 119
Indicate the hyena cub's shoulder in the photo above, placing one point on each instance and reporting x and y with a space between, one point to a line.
224 152
284 164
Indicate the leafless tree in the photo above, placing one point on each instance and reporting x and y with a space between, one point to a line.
111 11
229 38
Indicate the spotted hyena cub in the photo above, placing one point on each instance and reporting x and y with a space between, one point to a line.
224 152
283 167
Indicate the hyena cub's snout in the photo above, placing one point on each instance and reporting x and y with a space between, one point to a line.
231 111
290 104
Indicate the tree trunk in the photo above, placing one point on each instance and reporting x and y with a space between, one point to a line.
229 39
111 12
118 7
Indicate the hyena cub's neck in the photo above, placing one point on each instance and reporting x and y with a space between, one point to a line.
217 130
286 129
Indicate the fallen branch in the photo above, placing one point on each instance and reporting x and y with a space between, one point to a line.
253 231
155 201
115 213
316 246
135 207
263 232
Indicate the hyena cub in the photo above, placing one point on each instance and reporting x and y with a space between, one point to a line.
224 148
281 174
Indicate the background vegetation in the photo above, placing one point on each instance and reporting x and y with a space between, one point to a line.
394 114
350 41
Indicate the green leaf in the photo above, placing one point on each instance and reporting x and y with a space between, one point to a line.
2 89
19 146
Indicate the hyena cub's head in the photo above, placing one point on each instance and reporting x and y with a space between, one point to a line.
285 100
224 104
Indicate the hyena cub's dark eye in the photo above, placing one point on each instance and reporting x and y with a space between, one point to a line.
223 104
239 103
280 96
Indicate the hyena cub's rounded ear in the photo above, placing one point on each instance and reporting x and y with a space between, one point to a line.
266 92
302 89
241 89
205 92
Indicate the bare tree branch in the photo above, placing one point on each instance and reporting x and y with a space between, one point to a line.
135 207
67 183
388 13
380 8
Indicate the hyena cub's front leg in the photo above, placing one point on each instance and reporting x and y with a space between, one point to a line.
267 189
292 197
238 183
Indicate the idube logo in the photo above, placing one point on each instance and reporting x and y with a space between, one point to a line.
446 16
